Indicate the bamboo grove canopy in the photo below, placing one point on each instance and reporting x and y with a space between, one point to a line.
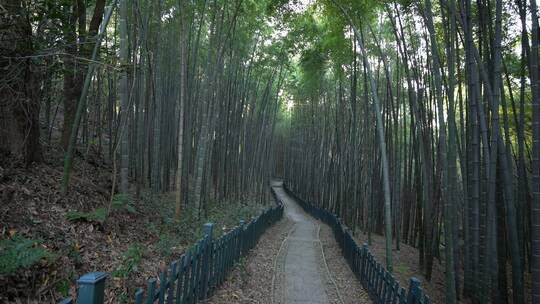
416 120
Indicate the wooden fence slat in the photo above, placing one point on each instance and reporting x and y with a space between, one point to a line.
151 291
139 296
180 283
172 280
162 287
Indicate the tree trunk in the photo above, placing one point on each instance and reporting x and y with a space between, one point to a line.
19 95
81 105
535 209
124 99
182 101
382 142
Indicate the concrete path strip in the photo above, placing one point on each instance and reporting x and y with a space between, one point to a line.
301 274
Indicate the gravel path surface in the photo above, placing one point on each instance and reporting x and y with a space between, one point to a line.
303 279
310 267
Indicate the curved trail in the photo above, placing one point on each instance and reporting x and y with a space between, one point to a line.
301 272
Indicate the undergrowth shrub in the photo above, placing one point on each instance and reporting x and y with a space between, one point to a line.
131 262
123 201
99 215
174 235
19 252
167 242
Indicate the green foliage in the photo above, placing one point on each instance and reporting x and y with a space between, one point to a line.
402 268
99 215
122 201
228 214
75 256
132 260
166 243
19 252
63 287
174 234
124 298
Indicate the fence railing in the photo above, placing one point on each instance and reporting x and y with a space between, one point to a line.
379 283
197 273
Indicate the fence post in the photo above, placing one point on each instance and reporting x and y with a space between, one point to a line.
242 238
413 294
207 237
208 229
92 288
363 261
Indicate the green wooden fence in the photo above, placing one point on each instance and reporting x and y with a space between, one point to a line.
380 284
197 273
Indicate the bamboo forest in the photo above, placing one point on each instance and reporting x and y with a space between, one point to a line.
269 151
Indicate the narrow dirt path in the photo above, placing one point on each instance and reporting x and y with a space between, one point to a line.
301 274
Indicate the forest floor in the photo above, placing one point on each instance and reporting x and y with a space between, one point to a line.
406 265
48 240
